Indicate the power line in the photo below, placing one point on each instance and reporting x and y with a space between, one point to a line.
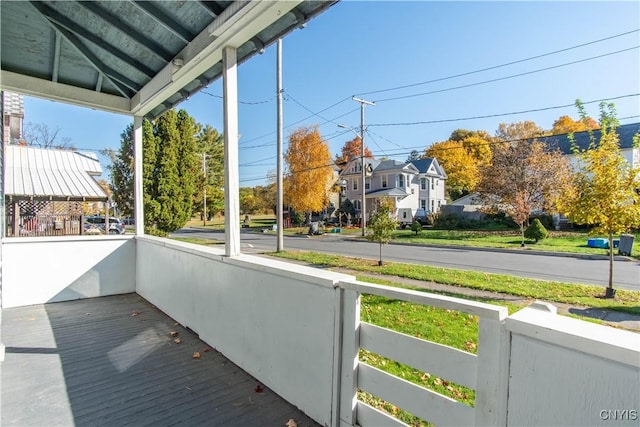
506 77
501 65
240 102
499 114
301 120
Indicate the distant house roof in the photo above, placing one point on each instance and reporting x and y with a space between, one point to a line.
429 166
386 165
391 192
582 140
53 174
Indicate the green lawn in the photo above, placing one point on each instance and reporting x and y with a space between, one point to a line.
584 295
574 242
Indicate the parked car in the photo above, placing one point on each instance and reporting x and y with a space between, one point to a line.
96 223
422 216
128 221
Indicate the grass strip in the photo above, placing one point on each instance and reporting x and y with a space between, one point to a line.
576 294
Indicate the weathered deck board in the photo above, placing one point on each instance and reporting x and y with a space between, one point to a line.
92 362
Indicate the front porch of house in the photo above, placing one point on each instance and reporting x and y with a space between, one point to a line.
293 329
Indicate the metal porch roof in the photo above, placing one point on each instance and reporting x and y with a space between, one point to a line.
134 57
56 174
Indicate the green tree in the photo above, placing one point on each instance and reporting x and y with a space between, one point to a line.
382 224
211 145
536 231
121 171
605 187
176 170
414 155
416 227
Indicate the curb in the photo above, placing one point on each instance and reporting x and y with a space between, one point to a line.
511 251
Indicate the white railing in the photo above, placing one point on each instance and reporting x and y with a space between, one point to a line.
484 372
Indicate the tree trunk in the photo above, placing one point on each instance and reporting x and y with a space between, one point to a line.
380 261
610 292
522 233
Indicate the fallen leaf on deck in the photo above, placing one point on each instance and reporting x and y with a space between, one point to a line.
207 349
259 389
135 313
291 423
177 341
173 333
196 355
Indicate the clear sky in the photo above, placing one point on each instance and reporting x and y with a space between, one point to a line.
457 62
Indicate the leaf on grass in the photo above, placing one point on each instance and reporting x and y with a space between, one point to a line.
259 389
177 341
135 313
196 355
173 333
437 381
291 423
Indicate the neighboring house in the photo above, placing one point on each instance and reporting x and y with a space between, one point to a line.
432 179
413 185
582 140
45 190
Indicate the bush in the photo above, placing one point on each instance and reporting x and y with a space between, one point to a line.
546 220
416 227
536 231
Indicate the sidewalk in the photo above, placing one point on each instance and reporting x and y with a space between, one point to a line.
613 318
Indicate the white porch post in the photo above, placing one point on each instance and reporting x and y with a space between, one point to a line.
138 190
231 174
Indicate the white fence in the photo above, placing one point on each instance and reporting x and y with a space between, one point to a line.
483 372
298 331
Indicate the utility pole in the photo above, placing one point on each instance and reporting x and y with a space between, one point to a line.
204 197
363 208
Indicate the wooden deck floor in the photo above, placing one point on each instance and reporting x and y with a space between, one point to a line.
112 361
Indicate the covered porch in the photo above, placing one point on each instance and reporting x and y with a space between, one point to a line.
293 329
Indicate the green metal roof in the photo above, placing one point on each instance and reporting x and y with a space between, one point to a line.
134 57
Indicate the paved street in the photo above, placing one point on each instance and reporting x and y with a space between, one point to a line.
546 267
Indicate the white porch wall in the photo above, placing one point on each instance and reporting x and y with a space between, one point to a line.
567 372
276 320
40 270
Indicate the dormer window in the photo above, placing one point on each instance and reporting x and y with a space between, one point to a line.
401 181
384 181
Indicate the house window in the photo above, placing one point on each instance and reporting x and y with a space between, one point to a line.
423 204
384 181
433 206
432 183
423 183
355 184
367 183
401 181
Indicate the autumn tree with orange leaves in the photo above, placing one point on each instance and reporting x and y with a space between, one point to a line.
566 124
308 178
352 149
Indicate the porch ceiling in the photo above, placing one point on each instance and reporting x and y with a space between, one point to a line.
134 57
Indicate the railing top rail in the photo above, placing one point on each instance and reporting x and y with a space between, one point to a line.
480 309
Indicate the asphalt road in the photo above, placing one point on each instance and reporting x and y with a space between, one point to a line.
546 267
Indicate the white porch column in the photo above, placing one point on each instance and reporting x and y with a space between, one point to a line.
138 191
231 174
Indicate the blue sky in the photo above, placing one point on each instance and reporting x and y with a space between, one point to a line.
363 48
